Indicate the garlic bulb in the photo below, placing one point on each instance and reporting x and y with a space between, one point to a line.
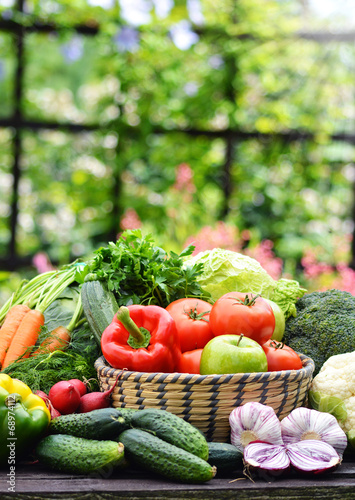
304 423
254 422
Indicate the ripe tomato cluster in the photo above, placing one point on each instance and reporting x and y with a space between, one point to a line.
235 313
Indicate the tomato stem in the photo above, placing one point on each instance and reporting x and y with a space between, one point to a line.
195 316
277 345
247 301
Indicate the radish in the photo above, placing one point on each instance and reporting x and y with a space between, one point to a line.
96 400
65 397
81 386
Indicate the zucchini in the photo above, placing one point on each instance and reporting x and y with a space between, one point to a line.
224 456
99 306
78 455
152 453
105 423
172 429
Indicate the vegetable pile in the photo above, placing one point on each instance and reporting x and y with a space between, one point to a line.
145 310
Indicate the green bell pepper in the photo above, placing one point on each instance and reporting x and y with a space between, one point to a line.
24 418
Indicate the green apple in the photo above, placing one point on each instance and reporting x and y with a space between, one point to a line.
279 321
232 354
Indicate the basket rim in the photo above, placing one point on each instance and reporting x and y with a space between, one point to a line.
305 372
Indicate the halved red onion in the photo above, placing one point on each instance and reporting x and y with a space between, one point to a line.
267 457
313 456
254 421
304 424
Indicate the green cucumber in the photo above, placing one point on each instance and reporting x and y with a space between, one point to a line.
224 456
78 455
152 453
105 423
172 429
127 414
99 306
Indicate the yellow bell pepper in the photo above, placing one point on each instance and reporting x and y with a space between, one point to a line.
24 418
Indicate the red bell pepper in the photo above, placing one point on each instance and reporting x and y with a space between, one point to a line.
142 338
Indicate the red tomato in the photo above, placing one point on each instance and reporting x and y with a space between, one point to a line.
281 357
238 313
190 361
192 322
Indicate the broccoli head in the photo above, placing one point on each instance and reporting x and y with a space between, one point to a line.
324 325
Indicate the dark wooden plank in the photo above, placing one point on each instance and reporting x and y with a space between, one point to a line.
35 482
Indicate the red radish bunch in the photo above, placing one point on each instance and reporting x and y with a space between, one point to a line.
69 396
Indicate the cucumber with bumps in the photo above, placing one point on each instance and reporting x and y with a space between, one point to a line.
77 455
165 459
104 423
172 429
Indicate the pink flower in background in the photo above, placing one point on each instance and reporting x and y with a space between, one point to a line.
221 236
311 267
345 279
42 263
130 220
264 254
184 178
322 276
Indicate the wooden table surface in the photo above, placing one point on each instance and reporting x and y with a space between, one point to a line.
35 482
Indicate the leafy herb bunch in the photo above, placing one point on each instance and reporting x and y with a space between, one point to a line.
138 272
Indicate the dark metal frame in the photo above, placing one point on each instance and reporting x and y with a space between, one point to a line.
18 123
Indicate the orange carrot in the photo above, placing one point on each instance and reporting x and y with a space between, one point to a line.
58 339
29 329
25 336
8 330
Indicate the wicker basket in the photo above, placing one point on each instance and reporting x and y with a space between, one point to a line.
207 400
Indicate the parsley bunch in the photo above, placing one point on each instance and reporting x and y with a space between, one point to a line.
138 272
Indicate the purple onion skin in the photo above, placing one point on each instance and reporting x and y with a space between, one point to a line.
268 461
313 457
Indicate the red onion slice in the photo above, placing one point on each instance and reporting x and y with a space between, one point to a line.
313 456
266 456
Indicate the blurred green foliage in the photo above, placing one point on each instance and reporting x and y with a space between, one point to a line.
241 68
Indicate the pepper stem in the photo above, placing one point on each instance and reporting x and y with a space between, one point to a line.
138 336
12 399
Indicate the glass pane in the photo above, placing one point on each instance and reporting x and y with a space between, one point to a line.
65 194
65 85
